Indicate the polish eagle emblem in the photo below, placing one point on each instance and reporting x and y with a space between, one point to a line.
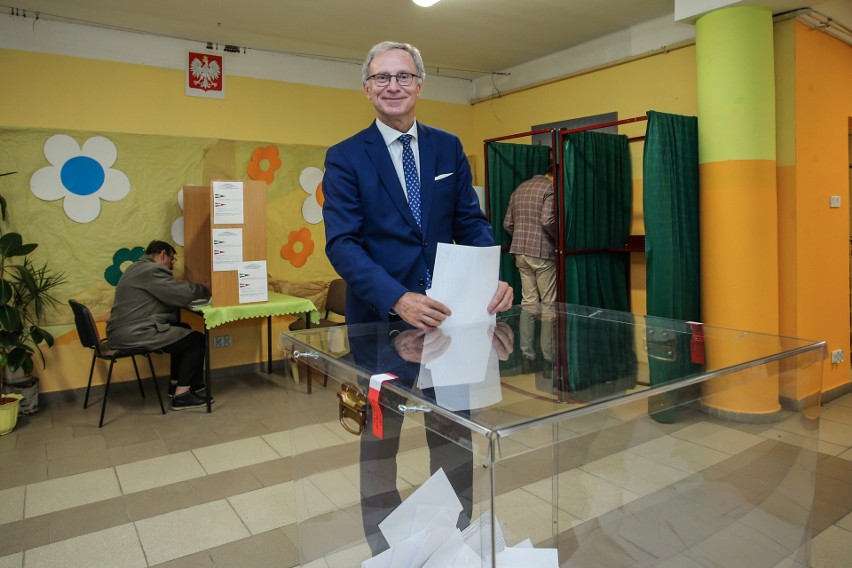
205 72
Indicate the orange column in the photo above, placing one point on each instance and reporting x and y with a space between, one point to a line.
739 212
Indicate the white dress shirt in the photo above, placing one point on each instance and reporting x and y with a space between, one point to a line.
391 138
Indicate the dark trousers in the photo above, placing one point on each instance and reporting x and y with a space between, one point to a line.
379 494
187 359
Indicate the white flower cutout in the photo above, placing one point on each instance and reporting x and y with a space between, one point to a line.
81 177
311 181
177 226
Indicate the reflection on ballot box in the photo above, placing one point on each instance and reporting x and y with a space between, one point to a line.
619 452
466 376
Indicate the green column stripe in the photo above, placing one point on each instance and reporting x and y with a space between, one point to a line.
736 84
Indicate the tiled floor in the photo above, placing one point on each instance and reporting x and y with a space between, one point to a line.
190 489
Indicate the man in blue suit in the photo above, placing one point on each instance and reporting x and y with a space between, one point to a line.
392 193
380 240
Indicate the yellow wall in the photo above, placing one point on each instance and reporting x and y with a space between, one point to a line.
68 93
823 103
814 103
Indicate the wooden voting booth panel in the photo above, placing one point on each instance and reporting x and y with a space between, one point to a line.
198 243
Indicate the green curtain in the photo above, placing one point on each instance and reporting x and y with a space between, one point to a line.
597 208
600 356
670 197
508 166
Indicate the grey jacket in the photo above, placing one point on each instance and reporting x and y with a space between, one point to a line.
147 300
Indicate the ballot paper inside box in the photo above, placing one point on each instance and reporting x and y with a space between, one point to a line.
422 533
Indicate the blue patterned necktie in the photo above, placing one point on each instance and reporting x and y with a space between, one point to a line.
412 180
412 186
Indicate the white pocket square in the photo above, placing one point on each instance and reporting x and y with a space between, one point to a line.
442 176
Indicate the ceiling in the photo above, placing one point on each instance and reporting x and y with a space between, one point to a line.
463 38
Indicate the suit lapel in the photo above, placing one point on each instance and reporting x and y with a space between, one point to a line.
428 153
379 156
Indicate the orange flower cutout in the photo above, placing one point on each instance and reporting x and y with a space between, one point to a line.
299 247
267 155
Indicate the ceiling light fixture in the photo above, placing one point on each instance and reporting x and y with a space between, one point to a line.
425 3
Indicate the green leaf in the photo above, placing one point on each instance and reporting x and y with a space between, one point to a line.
40 335
7 340
18 358
6 292
12 244
10 319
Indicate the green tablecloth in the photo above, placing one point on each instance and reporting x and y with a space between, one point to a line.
278 305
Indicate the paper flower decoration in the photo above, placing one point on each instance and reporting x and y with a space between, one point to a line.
299 247
82 177
121 257
177 226
267 155
311 181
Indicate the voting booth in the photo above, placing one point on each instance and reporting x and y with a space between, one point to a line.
607 452
225 239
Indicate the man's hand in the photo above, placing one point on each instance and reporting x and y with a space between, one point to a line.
502 340
502 299
421 311
417 346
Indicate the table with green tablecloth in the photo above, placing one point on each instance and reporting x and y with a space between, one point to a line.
277 305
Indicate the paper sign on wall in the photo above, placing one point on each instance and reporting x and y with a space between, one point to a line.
252 282
227 249
228 203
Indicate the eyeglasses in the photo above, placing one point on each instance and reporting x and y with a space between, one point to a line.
384 79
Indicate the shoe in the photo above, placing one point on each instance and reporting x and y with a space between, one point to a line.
198 390
187 400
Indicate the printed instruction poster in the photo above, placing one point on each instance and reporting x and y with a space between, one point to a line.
228 203
252 282
227 249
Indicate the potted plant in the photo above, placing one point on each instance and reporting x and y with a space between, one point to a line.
26 291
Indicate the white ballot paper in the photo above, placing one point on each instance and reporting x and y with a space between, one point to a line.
465 280
422 533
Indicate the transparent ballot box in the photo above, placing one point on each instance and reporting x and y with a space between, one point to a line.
558 435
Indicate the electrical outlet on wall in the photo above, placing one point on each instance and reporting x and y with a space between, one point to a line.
837 356
222 341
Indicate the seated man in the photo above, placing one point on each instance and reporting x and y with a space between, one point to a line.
145 315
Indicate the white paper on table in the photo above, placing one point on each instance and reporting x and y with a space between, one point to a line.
526 557
227 249
465 279
251 278
466 376
436 491
228 203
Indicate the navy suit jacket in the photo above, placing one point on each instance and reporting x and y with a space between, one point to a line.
372 239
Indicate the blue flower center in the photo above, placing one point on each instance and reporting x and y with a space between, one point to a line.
82 175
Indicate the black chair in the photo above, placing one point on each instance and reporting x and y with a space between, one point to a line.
335 303
88 332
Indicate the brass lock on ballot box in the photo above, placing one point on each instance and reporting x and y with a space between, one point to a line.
353 409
